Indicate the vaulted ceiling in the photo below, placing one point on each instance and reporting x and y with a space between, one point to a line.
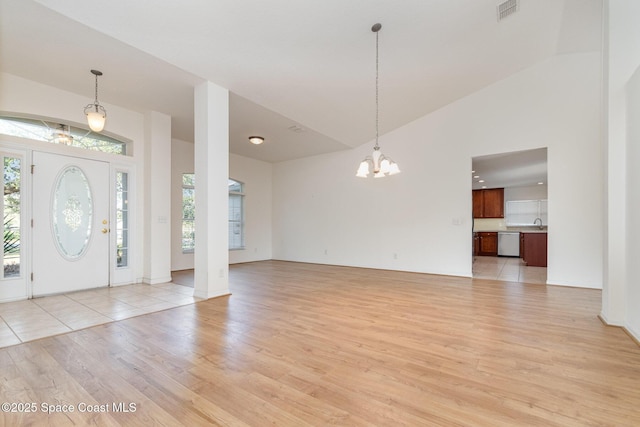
300 73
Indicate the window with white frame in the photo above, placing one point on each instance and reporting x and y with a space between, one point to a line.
11 207
525 212
188 212
61 133
236 214
122 219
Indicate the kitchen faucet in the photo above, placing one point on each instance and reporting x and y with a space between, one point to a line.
535 222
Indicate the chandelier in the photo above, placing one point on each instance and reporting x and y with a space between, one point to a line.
381 164
96 114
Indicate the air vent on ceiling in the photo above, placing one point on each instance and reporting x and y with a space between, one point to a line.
507 8
296 129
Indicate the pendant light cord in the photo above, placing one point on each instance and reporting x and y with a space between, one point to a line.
377 147
96 90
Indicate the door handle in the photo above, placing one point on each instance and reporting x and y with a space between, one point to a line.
105 231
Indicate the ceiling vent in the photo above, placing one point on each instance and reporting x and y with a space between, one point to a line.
296 129
507 8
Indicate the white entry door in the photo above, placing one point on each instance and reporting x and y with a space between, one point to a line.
70 224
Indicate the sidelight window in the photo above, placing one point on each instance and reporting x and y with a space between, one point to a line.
188 212
11 207
122 219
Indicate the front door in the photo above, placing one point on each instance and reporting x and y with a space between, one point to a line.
70 224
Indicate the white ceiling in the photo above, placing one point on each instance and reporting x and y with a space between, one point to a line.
308 64
515 169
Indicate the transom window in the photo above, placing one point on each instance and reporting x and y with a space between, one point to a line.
60 133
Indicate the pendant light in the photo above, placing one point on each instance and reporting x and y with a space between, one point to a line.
381 164
62 135
96 114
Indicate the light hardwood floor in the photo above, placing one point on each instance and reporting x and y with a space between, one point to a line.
302 344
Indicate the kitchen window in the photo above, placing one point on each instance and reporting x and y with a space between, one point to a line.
521 213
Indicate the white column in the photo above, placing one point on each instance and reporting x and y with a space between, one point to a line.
621 59
157 198
211 190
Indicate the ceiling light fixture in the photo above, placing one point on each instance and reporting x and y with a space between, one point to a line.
96 114
61 136
257 140
381 164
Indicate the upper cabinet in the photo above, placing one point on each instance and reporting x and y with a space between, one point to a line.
488 203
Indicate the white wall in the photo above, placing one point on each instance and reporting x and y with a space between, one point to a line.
633 203
533 192
420 220
256 175
181 162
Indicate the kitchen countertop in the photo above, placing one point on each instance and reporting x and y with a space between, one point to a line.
518 230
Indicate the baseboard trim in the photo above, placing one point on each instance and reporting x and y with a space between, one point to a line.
633 336
156 281
626 330
208 297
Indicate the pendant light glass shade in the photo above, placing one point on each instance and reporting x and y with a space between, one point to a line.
96 119
96 114
381 165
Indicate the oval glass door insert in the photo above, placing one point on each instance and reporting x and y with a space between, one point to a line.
72 212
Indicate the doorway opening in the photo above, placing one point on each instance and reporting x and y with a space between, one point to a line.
510 216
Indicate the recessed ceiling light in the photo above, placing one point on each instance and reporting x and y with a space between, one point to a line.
484 186
473 171
257 140
476 176
482 180
540 183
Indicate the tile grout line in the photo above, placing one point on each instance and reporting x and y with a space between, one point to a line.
11 329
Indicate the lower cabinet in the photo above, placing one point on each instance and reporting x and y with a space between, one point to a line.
487 243
533 249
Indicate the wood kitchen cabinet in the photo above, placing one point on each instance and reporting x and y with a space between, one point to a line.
476 244
533 249
488 203
487 243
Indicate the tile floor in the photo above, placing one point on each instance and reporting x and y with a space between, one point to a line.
28 320
507 269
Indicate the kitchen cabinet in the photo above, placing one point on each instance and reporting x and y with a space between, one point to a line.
488 203
476 244
487 243
534 249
